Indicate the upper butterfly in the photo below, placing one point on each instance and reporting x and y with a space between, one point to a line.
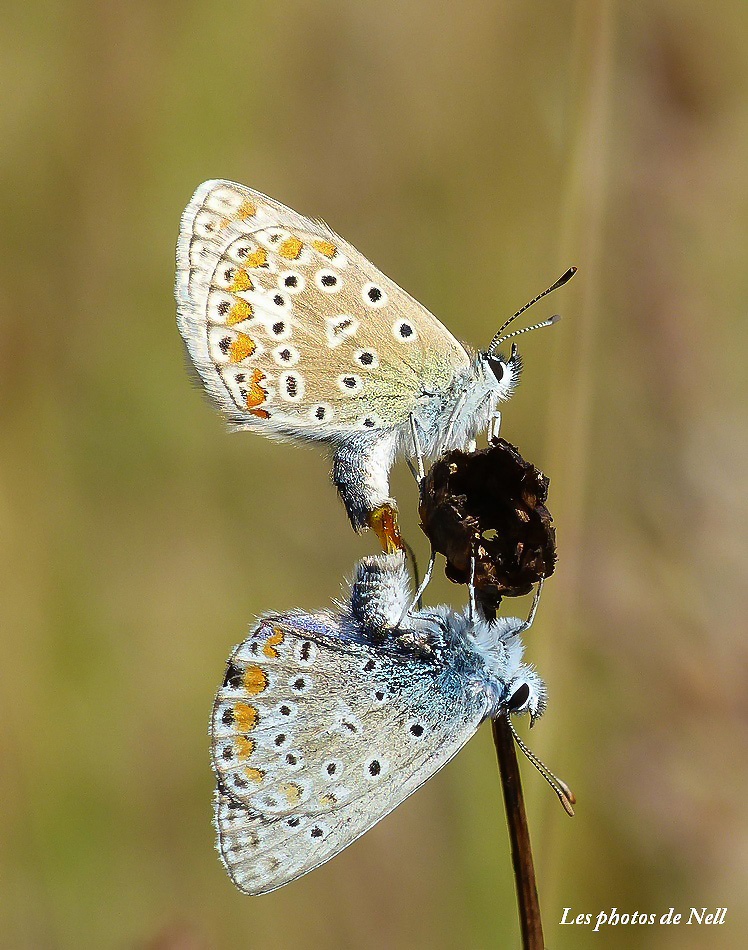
296 335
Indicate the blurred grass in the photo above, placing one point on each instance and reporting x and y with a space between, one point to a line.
472 153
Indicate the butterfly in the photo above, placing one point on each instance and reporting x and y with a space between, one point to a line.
296 335
327 721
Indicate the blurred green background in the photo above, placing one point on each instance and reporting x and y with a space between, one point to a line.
473 151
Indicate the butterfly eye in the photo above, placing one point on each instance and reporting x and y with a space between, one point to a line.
498 367
518 698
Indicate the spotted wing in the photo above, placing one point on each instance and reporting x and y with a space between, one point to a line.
291 329
315 737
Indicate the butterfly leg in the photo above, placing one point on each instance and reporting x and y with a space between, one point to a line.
452 419
471 591
417 451
493 426
419 593
534 609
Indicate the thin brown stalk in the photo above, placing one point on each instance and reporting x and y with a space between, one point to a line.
519 836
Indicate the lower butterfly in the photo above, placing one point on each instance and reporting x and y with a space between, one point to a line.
296 335
325 722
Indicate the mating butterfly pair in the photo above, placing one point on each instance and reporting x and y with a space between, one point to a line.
326 722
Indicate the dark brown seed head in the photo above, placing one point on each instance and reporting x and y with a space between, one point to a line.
491 505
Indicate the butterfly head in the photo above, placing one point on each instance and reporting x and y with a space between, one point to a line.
501 374
526 693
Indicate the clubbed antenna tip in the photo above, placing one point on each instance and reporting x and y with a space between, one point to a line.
498 338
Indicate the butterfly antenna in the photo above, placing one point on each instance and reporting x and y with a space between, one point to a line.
536 326
497 339
565 794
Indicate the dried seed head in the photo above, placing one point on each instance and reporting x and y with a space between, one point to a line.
491 505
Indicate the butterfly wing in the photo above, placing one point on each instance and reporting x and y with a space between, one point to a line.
316 736
291 329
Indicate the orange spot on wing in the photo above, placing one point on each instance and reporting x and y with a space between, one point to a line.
255 680
242 347
258 258
254 775
244 748
292 792
241 281
256 395
246 210
245 717
324 247
273 641
240 311
290 248
260 413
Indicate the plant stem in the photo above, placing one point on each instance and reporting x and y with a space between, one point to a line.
519 835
